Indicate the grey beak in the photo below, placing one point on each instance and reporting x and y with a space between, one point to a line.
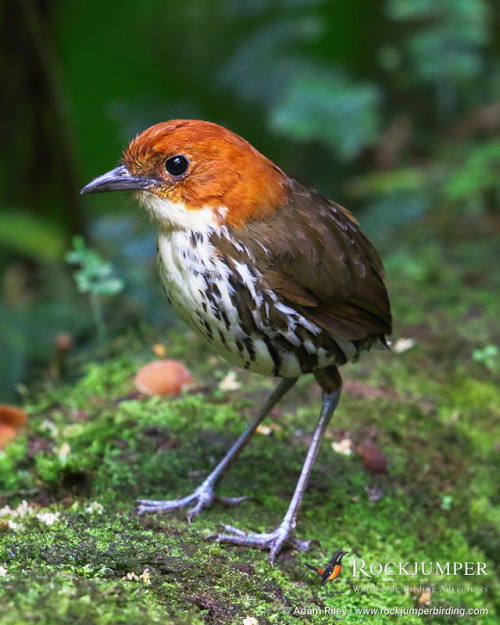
118 179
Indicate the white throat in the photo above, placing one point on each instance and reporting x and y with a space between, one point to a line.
176 216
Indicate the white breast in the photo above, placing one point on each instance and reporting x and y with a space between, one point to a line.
197 283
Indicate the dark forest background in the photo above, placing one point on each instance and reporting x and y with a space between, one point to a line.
390 107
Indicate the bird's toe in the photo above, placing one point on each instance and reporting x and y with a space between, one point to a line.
274 541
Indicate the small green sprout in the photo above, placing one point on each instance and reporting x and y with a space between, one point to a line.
489 356
446 502
95 277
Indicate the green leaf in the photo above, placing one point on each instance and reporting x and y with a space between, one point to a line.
331 108
27 234
95 275
477 173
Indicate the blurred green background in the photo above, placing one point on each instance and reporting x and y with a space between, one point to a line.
391 107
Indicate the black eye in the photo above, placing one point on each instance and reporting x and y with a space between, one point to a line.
177 165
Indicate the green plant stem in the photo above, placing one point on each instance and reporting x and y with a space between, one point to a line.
97 313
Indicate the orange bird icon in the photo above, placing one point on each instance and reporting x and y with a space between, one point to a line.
331 571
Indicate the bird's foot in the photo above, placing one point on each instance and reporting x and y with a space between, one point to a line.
200 498
334 592
273 541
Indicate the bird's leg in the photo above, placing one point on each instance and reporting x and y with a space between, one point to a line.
329 379
203 496
334 590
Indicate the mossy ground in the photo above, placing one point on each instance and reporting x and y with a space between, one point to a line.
92 447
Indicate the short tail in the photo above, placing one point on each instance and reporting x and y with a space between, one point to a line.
313 568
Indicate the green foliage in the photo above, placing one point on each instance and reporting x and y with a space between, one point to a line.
265 62
394 198
95 277
447 503
29 235
304 99
489 356
446 48
475 182
13 352
324 106
28 334
391 211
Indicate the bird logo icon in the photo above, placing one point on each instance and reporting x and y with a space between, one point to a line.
331 571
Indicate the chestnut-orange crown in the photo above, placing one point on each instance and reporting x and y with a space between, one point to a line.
224 171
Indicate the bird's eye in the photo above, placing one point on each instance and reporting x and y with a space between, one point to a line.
177 165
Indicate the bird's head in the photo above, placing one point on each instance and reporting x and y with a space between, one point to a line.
192 174
337 556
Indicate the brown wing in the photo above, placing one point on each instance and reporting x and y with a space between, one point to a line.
313 254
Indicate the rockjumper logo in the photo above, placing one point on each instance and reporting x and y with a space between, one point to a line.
417 568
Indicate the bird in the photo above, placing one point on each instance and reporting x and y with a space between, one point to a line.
280 280
331 571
